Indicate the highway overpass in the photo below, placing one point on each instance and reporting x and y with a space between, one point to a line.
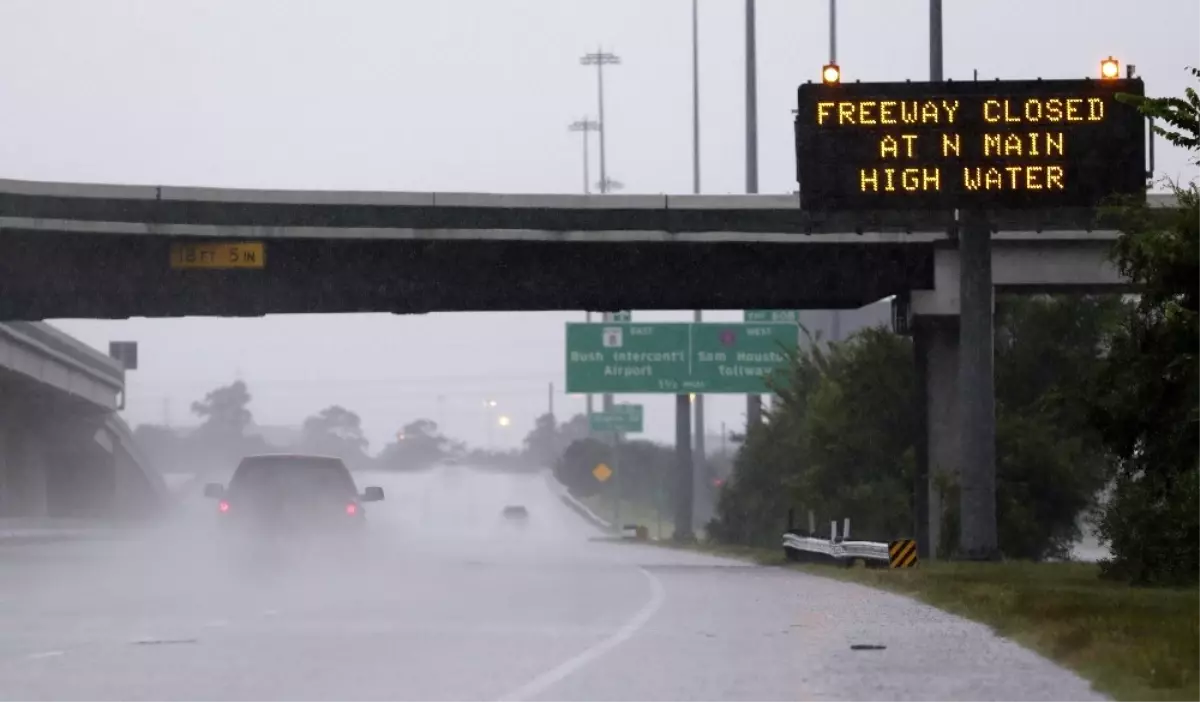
64 452
105 251
77 250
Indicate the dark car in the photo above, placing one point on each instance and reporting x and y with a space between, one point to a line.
516 512
286 496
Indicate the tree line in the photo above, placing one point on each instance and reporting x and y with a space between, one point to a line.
840 440
226 433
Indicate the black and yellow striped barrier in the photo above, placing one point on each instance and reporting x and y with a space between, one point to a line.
902 553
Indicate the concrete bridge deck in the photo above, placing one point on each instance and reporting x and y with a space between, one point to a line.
77 250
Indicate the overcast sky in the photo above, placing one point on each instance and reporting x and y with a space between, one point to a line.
466 95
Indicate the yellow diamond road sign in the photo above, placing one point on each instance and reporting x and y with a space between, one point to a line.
602 472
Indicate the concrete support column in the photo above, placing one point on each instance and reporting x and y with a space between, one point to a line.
939 343
978 538
6 451
82 470
25 475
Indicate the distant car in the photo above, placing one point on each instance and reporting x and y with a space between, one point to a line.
516 512
290 496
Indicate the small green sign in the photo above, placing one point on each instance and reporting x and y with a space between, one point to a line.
626 419
621 316
680 357
792 316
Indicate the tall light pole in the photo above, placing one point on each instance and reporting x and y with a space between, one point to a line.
698 457
833 31
583 126
696 97
751 100
836 326
600 59
977 536
589 401
753 402
935 40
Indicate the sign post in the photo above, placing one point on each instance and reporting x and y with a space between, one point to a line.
616 461
621 419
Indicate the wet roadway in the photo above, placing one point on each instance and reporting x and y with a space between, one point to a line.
449 601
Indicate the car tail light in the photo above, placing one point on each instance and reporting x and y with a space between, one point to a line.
222 506
351 509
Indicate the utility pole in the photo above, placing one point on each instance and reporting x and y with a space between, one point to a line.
935 40
584 126
922 485
600 59
753 402
977 538
700 457
696 97
833 31
751 101
616 480
607 399
550 397
588 404
683 472
837 314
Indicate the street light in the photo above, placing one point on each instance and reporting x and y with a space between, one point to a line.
1110 69
584 126
600 59
503 420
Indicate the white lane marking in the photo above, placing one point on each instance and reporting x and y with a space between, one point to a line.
270 612
217 623
44 654
555 675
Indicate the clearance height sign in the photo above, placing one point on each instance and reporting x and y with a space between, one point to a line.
988 145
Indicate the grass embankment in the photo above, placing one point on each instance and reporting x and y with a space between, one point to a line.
1132 643
658 525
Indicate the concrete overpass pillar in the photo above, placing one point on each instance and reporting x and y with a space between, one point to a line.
936 343
23 477
81 471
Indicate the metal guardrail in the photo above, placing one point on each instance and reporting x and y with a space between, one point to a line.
799 548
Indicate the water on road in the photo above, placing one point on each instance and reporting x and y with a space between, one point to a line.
448 600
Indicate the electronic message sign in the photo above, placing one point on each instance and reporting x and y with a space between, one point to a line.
987 145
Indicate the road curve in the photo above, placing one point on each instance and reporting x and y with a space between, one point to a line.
449 601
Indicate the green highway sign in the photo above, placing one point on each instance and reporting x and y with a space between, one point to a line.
626 419
621 316
676 357
792 316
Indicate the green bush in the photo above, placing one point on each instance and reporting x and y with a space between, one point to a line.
840 440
